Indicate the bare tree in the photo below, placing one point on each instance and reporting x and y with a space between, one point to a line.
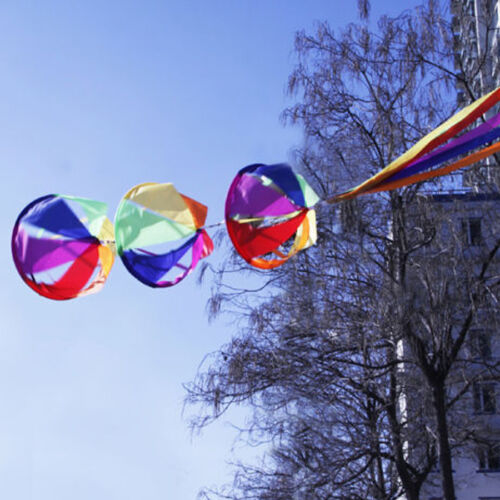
353 356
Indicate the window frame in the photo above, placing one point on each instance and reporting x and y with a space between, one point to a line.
487 454
472 233
485 397
481 344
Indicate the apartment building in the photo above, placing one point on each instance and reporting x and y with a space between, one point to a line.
475 218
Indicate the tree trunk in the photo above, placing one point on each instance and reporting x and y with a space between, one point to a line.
444 443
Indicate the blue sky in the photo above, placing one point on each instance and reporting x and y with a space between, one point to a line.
95 98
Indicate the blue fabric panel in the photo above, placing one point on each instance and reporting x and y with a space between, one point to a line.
149 269
250 168
53 214
282 175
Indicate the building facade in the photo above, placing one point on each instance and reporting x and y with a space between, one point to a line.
476 25
476 36
475 218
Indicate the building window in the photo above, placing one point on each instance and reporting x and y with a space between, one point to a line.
471 231
481 344
484 397
489 458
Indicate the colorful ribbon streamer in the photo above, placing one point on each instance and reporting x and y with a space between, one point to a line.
431 141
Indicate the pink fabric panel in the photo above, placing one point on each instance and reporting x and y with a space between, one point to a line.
40 254
251 199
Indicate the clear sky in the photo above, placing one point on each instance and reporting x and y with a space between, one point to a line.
97 96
